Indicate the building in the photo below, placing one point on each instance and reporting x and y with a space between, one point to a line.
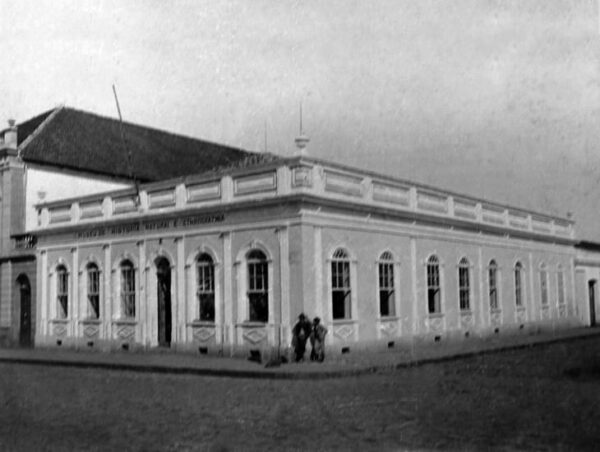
63 152
224 261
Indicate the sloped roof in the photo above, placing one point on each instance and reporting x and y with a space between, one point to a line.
82 141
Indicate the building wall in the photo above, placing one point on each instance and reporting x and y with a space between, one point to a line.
299 246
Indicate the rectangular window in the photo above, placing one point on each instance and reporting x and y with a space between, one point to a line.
386 289
561 287
518 288
258 295
94 293
433 289
463 284
62 294
341 292
206 291
493 289
128 291
544 287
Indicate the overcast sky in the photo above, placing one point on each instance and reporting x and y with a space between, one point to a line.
494 98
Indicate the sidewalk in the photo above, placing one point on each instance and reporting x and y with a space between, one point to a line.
350 365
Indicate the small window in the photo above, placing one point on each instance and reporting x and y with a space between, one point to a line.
93 291
464 287
433 286
544 284
386 285
518 284
493 284
258 286
127 289
560 284
205 287
341 292
62 292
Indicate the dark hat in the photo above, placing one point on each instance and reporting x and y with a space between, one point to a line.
316 320
302 316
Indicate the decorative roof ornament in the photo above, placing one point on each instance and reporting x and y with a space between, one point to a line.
302 139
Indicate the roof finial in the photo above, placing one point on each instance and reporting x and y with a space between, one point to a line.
301 140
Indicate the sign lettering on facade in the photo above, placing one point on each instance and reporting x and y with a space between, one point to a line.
153 225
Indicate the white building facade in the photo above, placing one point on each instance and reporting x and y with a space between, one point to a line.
224 263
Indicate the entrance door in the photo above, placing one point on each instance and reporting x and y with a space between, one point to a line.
25 302
592 292
163 283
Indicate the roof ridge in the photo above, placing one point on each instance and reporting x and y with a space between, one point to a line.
156 129
38 129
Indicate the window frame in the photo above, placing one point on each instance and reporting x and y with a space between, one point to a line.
92 270
493 297
128 292
434 286
205 267
341 285
518 284
464 285
386 285
543 273
560 286
62 292
254 294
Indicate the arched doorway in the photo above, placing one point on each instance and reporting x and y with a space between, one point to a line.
592 298
163 284
25 330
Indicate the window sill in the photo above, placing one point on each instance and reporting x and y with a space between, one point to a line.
91 321
521 308
436 315
59 321
253 324
344 321
466 312
388 318
197 322
125 321
496 311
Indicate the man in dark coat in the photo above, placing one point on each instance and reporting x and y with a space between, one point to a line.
300 334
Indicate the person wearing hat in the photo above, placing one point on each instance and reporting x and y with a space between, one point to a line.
317 340
300 334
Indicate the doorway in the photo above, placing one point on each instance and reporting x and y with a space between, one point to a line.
25 339
163 283
592 295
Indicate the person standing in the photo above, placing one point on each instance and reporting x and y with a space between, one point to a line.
300 334
317 340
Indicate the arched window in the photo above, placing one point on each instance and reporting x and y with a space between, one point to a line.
205 287
493 284
386 285
127 289
560 285
544 284
258 286
93 290
340 285
62 292
464 287
518 284
433 286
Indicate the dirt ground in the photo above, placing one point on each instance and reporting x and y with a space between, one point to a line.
544 398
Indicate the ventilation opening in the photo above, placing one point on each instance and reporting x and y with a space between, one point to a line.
345 350
59 342
203 350
125 346
391 344
437 339
521 326
90 344
467 334
496 330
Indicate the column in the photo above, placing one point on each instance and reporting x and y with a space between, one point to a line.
181 307
75 291
531 314
318 282
227 320
141 308
108 311
43 294
415 294
483 309
284 320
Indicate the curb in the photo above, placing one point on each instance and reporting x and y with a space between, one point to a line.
285 375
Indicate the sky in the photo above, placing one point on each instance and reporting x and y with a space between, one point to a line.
493 98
